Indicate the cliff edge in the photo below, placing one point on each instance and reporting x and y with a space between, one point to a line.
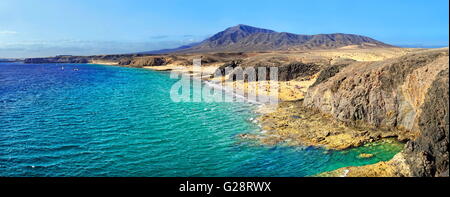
408 94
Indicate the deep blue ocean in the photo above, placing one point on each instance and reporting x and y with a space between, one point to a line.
115 121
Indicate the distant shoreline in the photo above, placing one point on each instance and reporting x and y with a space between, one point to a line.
10 60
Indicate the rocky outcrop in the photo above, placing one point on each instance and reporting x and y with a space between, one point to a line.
407 94
145 61
428 154
328 73
227 68
294 124
240 70
386 94
296 70
396 167
284 72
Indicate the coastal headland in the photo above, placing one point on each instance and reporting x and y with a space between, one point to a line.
334 95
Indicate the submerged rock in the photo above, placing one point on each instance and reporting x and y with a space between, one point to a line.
248 136
365 155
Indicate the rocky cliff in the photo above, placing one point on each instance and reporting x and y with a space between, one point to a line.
428 154
145 61
284 72
409 93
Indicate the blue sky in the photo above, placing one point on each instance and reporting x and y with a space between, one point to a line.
30 28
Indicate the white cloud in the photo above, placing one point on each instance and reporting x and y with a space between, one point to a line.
5 32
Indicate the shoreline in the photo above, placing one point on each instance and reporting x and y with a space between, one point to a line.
212 83
297 124
269 139
105 63
271 135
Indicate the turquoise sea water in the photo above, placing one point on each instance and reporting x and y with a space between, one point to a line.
114 121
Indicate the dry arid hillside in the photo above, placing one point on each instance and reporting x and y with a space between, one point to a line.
244 38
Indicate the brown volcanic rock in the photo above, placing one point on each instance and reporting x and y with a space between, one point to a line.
396 167
288 68
384 94
284 72
294 124
408 93
329 72
428 155
146 61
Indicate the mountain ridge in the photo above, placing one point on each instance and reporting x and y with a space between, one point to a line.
245 38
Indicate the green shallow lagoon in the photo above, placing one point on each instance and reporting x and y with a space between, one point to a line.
115 121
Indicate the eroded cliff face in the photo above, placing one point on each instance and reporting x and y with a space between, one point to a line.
285 72
145 61
386 94
409 93
428 155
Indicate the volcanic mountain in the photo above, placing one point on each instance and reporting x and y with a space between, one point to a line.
244 38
